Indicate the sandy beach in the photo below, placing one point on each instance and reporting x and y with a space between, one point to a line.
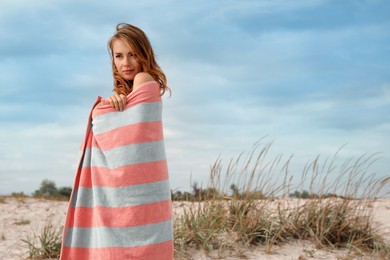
24 217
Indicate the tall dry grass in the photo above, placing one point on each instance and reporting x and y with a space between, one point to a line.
247 203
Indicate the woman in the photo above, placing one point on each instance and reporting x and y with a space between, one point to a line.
120 206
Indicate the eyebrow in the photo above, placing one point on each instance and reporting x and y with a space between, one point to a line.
122 53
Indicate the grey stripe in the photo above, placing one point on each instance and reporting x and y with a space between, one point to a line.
125 155
121 196
100 237
144 112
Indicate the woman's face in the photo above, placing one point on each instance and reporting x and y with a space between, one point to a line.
124 60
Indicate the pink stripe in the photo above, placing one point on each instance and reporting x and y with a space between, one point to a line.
124 216
123 176
161 251
130 134
147 92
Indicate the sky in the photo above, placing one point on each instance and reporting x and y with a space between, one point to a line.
310 77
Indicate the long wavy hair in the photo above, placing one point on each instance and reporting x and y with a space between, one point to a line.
144 54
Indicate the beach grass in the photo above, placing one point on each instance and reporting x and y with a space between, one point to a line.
46 245
255 201
250 202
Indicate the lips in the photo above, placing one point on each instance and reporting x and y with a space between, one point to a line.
127 71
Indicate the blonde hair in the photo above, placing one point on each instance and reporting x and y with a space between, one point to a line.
144 54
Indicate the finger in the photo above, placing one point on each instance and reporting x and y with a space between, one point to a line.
114 102
123 101
109 100
119 102
116 99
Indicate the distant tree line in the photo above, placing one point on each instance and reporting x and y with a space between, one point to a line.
310 195
48 189
200 194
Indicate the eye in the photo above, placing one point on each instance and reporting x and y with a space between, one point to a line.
118 55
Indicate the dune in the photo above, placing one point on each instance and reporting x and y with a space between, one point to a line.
21 218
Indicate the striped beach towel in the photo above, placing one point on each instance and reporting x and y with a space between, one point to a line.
120 206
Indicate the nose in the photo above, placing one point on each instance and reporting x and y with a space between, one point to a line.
126 61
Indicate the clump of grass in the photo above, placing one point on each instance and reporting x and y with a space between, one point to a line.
2 200
19 195
337 223
203 223
256 210
46 245
239 216
22 222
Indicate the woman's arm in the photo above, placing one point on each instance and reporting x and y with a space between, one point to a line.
119 101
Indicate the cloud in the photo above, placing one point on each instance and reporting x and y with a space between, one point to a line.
312 75
30 154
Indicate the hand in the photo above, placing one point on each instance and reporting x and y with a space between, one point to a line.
117 101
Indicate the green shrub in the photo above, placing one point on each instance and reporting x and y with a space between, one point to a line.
48 189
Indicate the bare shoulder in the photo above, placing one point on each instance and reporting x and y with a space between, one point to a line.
141 78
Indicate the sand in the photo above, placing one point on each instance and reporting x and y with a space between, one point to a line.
22 218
